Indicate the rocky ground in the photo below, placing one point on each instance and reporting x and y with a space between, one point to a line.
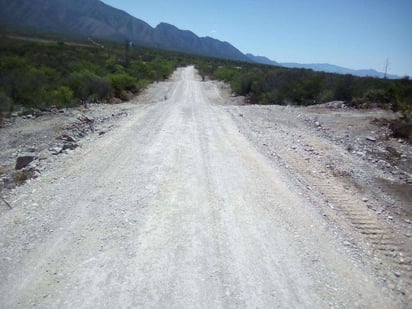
29 144
187 196
349 159
354 146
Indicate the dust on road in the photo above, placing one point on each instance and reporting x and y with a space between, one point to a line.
176 208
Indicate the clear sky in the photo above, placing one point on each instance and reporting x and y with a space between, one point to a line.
358 34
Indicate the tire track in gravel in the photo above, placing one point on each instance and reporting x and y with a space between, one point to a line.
389 251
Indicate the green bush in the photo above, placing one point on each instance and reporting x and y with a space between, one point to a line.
63 96
225 74
377 96
6 104
86 84
122 81
11 62
30 85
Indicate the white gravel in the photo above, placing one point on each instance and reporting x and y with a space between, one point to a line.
175 208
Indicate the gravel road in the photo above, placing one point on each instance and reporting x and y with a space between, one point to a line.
176 208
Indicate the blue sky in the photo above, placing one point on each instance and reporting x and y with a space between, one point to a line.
358 34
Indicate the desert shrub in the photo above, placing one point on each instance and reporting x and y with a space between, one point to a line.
63 96
6 104
86 84
122 81
205 69
326 95
29 90
402 128
86 65
142 83
141 71
11 62
241 84
343 88
225 74
377 96
401 93
160 69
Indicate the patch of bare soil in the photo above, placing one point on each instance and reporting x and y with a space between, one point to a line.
369 135
360 173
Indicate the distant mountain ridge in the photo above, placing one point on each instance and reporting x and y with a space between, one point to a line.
262 60
93 18
96 19
325 67
322 67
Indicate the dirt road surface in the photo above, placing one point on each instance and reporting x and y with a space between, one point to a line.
178 208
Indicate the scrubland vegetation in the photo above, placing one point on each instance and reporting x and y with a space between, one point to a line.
277 85
43 75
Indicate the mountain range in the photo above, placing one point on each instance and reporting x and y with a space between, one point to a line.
93 18
322 67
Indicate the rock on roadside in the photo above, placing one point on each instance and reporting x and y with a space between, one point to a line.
24 161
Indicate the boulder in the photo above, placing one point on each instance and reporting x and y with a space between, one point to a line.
24 161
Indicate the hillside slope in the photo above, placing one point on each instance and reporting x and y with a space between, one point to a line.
93 18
